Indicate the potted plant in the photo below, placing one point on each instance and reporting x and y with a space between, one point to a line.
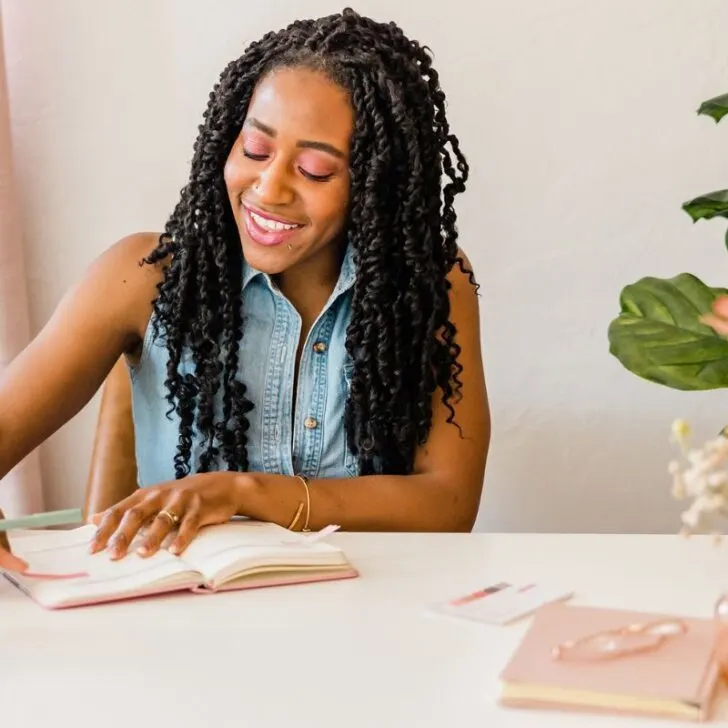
668 332
660 333
675 332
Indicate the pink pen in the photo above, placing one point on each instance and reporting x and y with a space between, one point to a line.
479 594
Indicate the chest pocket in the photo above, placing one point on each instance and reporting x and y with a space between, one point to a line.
351 464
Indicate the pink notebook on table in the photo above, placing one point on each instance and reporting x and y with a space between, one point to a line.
677 680
237 555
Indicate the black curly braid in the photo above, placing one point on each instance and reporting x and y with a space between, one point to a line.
401 227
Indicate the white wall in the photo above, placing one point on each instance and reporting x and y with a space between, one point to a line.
578 120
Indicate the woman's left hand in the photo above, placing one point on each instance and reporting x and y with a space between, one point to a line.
183 505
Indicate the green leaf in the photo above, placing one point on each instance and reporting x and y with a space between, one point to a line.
658 335
716 108
713 204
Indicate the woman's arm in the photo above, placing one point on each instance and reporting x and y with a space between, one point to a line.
442 494
113 472
56 375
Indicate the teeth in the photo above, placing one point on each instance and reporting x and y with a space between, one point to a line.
271 225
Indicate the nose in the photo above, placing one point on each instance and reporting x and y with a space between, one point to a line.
273 186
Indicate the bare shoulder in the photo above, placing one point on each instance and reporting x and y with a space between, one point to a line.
464 289
127 255
120 280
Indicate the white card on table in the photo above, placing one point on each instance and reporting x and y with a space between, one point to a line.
502 603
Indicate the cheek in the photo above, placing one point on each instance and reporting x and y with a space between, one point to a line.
234 173
332 207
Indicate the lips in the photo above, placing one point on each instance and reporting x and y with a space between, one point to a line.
266 229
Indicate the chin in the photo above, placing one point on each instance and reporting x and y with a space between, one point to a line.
271 260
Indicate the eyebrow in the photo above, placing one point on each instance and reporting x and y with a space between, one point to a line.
302 143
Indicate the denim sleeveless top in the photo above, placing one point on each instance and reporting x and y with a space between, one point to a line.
285 437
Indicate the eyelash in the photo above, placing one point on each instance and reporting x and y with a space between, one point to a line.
307 175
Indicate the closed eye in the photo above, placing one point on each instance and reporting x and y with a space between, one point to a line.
315 177
307 175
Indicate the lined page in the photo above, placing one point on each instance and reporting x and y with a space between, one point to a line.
63 552
246 544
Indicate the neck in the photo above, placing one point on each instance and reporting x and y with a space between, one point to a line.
309 283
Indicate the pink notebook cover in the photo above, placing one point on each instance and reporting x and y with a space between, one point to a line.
260 582
682 669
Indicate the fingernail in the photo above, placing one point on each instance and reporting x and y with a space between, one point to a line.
174 548
143 550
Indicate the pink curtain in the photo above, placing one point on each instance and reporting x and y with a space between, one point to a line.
21 491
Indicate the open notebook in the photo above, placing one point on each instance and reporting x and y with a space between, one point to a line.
678 680
236 555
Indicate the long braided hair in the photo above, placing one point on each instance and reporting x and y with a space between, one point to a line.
406 168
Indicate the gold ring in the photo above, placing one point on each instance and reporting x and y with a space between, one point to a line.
173 518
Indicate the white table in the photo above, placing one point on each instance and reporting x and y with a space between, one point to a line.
361 653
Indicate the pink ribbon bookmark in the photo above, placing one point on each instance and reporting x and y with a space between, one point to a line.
39 575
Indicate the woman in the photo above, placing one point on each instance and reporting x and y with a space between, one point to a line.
303 337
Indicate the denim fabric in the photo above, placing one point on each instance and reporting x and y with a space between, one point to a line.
306 436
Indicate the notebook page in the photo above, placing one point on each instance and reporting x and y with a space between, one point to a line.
245 544
63 552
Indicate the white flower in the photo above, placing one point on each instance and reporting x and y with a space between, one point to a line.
694 482
691 517
704 481
718 480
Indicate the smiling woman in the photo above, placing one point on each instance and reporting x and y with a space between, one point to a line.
303 338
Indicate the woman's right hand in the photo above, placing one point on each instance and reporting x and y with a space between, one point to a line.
7 560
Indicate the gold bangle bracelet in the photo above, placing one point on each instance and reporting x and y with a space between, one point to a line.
296 517
304 480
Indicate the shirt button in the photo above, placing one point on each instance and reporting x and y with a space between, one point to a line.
319 347
310 423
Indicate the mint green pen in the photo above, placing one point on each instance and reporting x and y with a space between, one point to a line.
41 520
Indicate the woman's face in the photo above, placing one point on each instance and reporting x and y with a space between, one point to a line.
287 174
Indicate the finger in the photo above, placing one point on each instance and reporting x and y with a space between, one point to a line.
106 523
10 562
162 526
7 560
130 524
187 529
718 324
96 519
720 306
